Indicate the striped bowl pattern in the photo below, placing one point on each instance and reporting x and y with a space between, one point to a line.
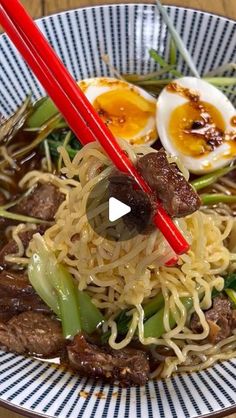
80 37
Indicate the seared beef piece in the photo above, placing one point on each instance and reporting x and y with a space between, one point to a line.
234 319
127 366
219 318
32 333
41 203
168 184
14 284
4 223
11 246
17 295
122 188
177 195
2 199
232 175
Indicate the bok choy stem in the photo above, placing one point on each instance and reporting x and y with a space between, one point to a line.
232 295
66 291
90 315
43 110
153 305
149 308
55 285
154 326
38 277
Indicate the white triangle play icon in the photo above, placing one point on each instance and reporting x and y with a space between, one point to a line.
117 209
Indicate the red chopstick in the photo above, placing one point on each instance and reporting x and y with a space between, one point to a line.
73 104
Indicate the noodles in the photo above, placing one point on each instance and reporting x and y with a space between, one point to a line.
7 157
124 275
17 258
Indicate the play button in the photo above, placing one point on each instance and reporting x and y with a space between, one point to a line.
117 209
108 215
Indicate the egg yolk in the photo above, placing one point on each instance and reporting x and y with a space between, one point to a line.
126 113
196 128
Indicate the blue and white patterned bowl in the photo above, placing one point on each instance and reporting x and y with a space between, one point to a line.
125 33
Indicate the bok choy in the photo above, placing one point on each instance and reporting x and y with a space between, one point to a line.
43 110
123 320
154 326
229 288
55 285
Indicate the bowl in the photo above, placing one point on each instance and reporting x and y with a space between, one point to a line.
125 32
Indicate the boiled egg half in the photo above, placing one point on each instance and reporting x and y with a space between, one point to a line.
197 123
127 110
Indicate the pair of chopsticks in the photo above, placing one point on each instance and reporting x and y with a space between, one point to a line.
75 107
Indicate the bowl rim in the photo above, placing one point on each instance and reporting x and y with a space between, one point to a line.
31 414
27 412
132 4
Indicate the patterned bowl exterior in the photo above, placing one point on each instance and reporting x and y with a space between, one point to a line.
125 33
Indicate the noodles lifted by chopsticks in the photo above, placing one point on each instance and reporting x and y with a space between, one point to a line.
123 275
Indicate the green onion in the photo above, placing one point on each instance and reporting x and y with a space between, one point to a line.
177 40
154 326
43 133
15 202
90 315
48 156
228 91
214 199
154 55
10 127
208 179
134 78
163 64
162 82
219 70
43 110
216 81
173 54
221 81
21 218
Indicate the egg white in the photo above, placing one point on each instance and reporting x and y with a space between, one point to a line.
168 102
94 87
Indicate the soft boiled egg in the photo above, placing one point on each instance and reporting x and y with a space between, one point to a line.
128 111
197 123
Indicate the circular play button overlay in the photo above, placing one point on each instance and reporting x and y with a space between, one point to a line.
111 215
